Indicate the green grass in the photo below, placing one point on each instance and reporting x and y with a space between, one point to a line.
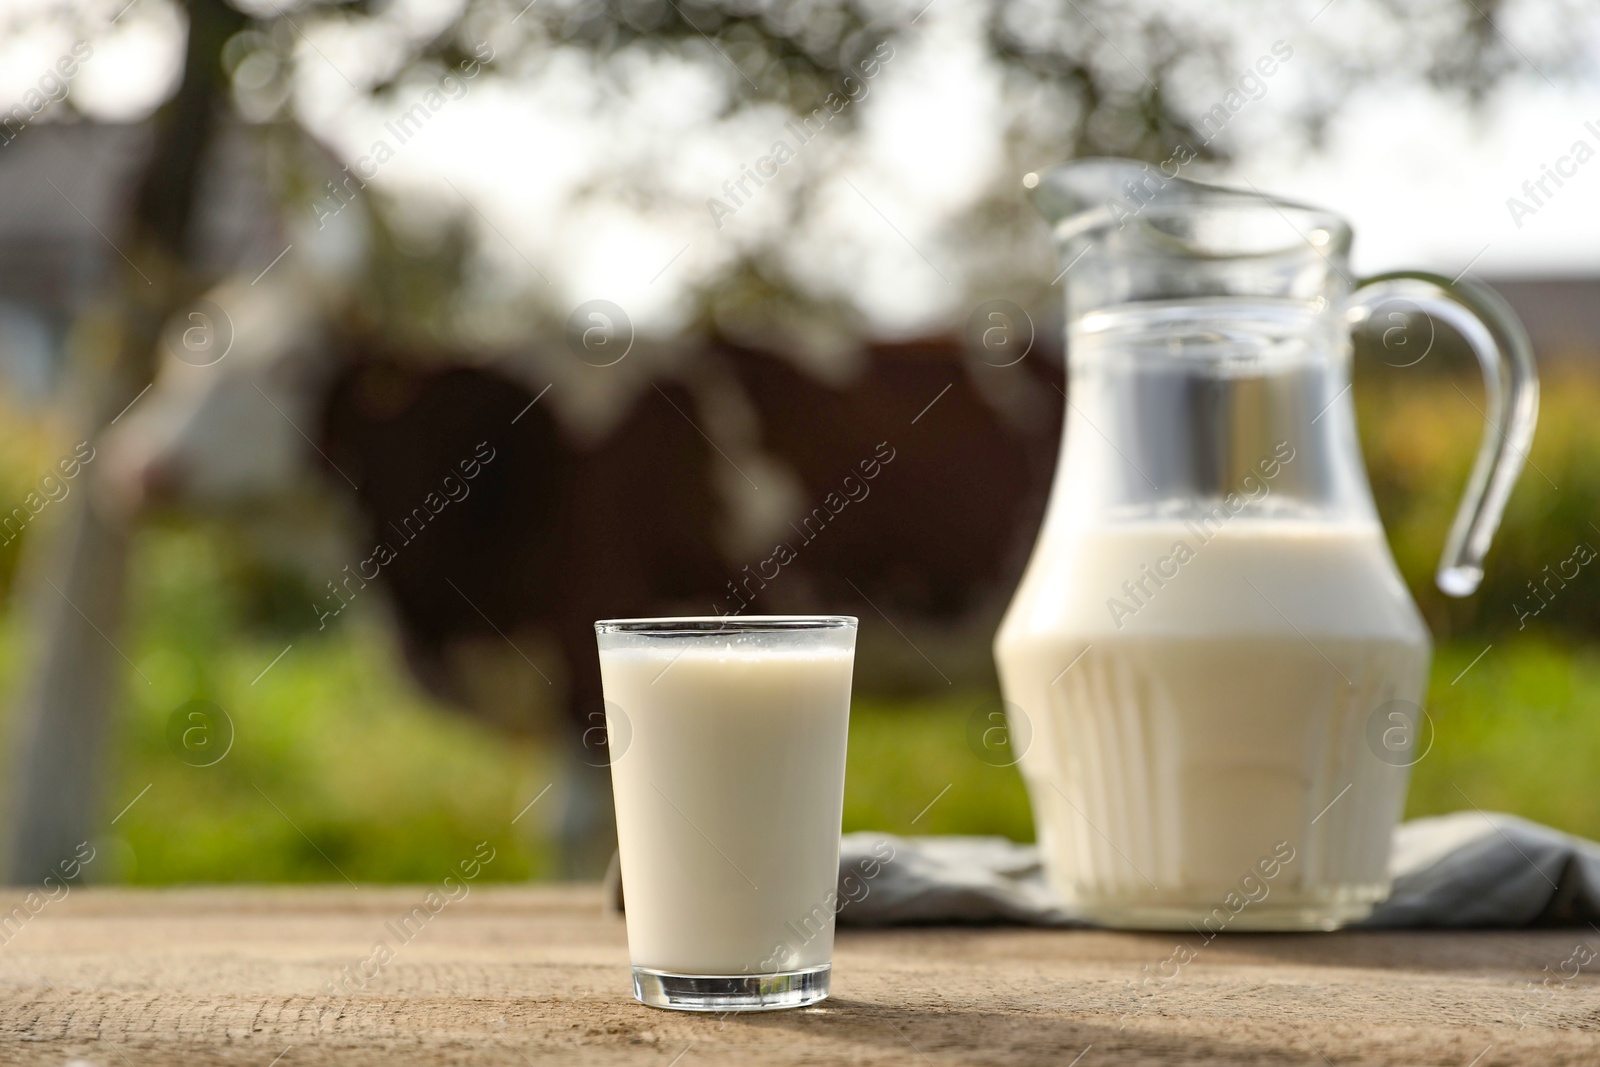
339 766
911 771
392 788
338 762
1519 732
336 766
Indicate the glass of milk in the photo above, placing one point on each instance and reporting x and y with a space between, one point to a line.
727 740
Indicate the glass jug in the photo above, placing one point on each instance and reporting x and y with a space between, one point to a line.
1212 668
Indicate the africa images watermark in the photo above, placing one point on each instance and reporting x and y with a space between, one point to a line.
404 126
55 888
1538 191
1253 888
452 890
852 889
1250 86
1153 578
51 489
1579 958
1582 555
451 490
200 733
737 190
50 88
811 525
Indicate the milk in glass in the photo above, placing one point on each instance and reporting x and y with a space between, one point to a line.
728 772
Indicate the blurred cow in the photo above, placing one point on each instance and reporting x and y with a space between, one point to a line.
498 532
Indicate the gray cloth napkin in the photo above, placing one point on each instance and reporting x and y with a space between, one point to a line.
1469 869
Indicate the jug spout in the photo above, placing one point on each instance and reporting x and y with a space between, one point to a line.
1086 193
1178 216
1146 234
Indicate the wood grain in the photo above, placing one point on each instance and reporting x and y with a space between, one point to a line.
130 978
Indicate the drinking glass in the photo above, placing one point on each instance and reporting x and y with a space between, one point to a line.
727 740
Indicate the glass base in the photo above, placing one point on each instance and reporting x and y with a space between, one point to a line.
731 992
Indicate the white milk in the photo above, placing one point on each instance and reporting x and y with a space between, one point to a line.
1217 721
729 797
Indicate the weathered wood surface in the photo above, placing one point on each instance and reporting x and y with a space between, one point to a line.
128 978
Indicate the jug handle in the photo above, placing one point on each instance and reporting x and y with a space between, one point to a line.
1511 387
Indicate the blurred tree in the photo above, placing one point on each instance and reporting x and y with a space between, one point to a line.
1087 77
65 715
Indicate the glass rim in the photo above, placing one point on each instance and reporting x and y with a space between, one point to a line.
712 625
1079 198
1300 220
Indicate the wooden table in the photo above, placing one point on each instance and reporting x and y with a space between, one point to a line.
130 978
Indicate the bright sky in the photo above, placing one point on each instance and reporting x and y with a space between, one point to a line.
1426 184
1424 181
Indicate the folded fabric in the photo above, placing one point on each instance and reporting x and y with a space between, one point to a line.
1469 869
